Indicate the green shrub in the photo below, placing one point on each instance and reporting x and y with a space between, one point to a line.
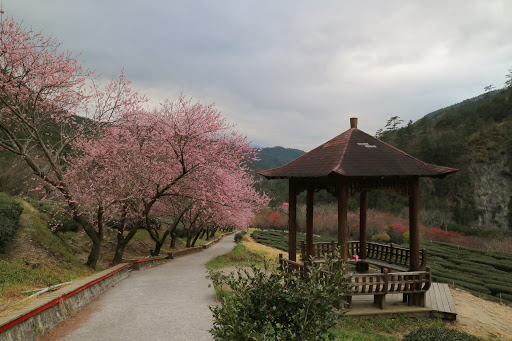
439 333
180 231
268 304
10 212
239 236
382 237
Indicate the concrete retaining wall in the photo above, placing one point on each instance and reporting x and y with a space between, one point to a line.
140 264
37 318
183 252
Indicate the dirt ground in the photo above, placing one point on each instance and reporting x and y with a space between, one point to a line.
490 320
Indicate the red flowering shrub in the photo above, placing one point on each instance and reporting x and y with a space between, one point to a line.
273 219
399 228
440 235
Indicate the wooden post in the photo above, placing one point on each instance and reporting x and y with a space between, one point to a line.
342 219
292 222
414 234
363 205
309 224
414 231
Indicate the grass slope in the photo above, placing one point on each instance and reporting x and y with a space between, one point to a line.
36 258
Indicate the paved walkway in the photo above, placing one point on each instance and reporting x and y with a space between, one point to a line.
166 302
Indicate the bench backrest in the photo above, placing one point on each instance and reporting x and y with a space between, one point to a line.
393 282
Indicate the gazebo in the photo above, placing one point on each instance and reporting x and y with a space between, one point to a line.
349 164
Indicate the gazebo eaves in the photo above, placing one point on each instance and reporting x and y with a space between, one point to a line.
355 153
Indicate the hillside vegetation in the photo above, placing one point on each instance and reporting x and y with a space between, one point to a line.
36 258
474 136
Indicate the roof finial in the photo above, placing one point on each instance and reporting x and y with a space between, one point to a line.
353 122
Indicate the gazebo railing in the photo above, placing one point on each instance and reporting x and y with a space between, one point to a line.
289 266
375 253
377 284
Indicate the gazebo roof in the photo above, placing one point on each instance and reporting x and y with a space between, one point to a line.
355 153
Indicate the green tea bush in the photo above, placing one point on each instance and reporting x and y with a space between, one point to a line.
269 304
497 289
439 333
10 212
506 297
239 236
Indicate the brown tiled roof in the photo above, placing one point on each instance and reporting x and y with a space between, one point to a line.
355 153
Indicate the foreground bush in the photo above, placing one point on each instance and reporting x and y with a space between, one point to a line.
439 333
268 304
10 212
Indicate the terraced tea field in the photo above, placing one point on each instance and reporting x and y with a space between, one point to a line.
279 239
485 273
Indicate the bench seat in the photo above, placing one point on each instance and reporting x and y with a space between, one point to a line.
384 265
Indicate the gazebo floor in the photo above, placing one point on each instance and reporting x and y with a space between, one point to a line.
439 303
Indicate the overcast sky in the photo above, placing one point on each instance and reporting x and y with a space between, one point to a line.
290 72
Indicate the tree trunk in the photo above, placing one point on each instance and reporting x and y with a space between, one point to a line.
94 255
213 232
160 243
118 255
174 237
189 239
122 241
156 251
203 233
95 236
196 238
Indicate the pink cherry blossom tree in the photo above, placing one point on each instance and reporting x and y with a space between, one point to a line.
201 149
163 163
42 90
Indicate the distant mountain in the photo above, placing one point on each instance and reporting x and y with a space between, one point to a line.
276 157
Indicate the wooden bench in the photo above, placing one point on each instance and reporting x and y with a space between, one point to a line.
381 284
377 284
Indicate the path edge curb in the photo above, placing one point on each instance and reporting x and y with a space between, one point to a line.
43 314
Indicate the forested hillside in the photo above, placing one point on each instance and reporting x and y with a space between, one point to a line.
474 136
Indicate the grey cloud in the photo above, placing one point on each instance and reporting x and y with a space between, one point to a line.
291 73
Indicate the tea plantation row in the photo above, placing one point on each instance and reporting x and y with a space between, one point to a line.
279 239
486 273
483 272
